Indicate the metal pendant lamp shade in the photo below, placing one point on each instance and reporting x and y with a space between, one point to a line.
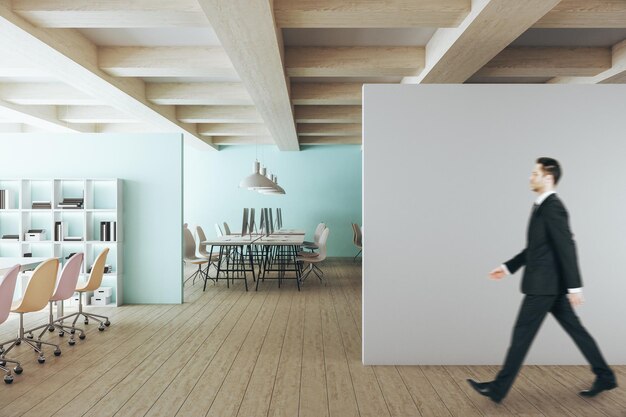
256 180
276 190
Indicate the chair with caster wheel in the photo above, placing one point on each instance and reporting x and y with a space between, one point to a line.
64 291
314 258
38 291
92 284
316 238
7 288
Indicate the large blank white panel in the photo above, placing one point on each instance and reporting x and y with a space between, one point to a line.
446 199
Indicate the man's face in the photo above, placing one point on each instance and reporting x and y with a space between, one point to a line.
537 179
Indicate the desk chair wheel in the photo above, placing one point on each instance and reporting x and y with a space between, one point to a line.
73 331
57 352
82 336
18 369
50 328
18 342
8 379
101 328
41 359
61 333
86 321
107 323
3 363
29 335
71 342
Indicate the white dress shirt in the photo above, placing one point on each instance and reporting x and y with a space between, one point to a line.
538 202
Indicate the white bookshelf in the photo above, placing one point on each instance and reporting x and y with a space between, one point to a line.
102 203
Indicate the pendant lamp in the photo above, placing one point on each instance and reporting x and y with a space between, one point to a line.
256 180
277 188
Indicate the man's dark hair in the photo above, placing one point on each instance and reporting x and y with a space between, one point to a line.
550 167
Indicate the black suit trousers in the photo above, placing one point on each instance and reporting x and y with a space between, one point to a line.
532 313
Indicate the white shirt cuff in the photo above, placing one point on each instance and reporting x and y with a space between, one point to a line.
574 290
506 270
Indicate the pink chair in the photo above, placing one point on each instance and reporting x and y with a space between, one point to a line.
66 285
7 288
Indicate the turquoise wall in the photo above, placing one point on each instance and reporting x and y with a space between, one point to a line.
323 183
151 167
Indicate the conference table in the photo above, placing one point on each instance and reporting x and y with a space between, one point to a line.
25 263
277 252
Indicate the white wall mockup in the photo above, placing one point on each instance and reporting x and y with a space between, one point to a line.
446 199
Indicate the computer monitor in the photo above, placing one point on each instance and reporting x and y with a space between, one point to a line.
271 221
262 221
267 222
244 223
251 224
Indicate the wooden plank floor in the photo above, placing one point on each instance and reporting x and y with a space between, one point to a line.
276 352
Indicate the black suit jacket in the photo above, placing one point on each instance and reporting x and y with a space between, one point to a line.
550 254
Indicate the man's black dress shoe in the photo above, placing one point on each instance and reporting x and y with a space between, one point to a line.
598 387
484 388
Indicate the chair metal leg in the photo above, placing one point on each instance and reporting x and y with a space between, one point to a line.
80 312
8 378
357 255
35 345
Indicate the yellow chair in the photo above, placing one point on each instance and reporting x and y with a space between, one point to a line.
93 283
38 291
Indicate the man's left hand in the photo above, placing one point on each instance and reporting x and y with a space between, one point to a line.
576 299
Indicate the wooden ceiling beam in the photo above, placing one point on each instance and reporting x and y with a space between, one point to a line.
73 59
547 62
354 61
369 14
243 140
111 13
92 114
125 128
232 129
454 55
331 140
218 114
329 129
36 94
616 74
326 93
166 61
198 94
589 14
328 114
254 44
44 117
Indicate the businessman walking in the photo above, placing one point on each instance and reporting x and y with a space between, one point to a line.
551 284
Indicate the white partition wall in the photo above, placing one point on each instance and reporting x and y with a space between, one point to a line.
446 199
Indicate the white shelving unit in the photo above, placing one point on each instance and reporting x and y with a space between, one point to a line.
102 203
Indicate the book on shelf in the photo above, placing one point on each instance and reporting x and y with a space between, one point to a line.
6 199
73 239
42 205
108 231
10 237
58 231
72 203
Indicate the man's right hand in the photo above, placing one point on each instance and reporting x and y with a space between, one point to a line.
497 273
